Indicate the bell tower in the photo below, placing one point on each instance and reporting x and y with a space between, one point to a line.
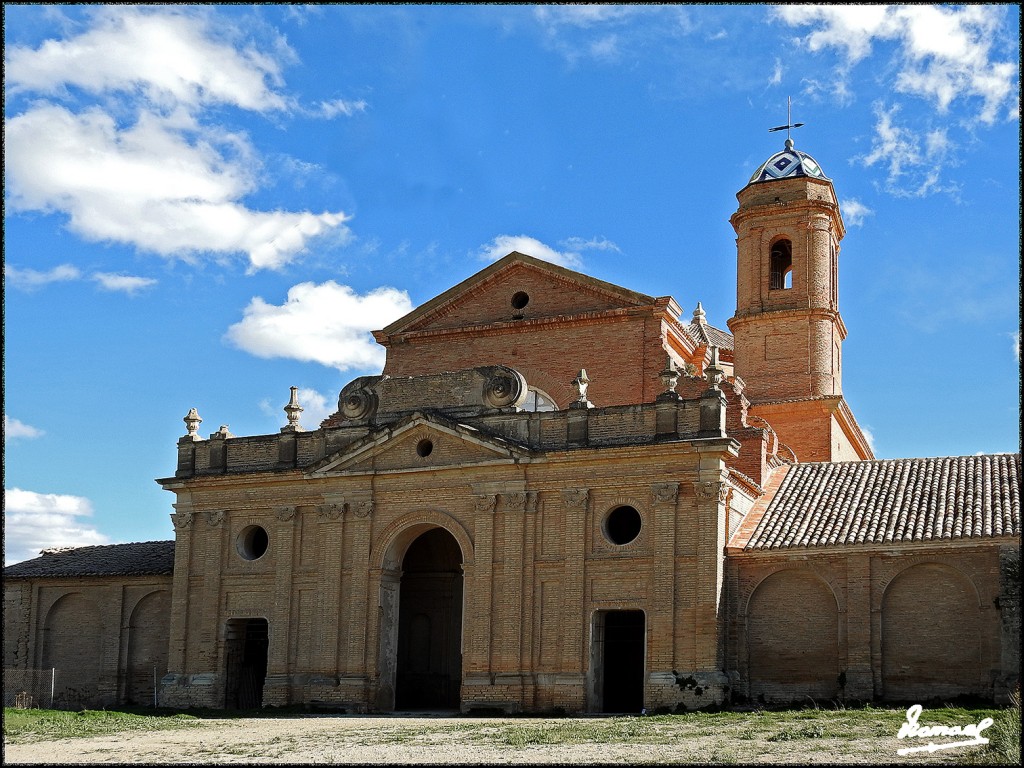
787 330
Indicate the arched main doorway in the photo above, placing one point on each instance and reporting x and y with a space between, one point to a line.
428 671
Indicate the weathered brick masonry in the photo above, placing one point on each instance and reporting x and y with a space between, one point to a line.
558 495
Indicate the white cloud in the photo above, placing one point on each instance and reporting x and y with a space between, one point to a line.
316 407
593 244
502 245
337 107
869 436
174 57
585 15
914 160
35 521
854 212
30 279
943 53
1016 344
170 182
14 429
327 323
127 283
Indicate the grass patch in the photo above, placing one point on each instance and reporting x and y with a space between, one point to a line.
25 725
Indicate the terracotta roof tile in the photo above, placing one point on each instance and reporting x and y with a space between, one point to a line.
147 558
703 333
893 500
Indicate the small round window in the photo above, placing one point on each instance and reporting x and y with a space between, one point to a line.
252 542
622 525
424 448
520 300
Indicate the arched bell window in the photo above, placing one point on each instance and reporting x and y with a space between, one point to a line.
781 265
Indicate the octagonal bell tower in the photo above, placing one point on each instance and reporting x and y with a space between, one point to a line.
787 331
787 328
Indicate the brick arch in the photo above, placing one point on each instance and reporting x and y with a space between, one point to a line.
895 568
560 391
73 645
792 637
390 545
148 629
931 635
825 574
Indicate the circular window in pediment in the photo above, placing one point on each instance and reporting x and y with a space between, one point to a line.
622 525
252 543
424 448
520 299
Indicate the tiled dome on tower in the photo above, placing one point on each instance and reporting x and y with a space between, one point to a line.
787 164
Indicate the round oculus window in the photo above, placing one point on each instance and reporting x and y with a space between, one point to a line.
424 448
252 542
520 299
622 525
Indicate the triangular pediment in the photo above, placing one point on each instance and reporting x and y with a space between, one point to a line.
514 288
420 442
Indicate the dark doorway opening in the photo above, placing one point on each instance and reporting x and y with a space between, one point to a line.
245 663
623 663
429 669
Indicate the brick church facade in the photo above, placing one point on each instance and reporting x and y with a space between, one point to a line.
559 495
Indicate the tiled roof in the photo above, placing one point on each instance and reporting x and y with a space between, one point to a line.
708 334
705 334
146 558
895 500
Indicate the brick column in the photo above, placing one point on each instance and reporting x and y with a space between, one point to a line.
331 529
178 631
277 690
859 682
360 628
476 658
661 655
574 504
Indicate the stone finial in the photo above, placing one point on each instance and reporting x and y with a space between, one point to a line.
192 422
699 317
222 433
293 409
714 374
580 384
670 377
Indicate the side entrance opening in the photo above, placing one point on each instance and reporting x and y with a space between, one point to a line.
245 655
429 664
619 660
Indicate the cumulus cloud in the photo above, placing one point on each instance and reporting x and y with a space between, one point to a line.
323 323
35 521
14 429
502 245
854 212
943 53
165 180
31 279
173 57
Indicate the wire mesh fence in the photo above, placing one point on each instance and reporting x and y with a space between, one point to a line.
29 688
71 688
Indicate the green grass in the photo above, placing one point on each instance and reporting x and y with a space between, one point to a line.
22 725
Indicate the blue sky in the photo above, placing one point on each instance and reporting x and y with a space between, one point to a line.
206 205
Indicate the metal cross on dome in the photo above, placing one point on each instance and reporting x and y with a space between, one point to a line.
790 125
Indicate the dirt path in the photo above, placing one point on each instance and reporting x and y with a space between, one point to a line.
449 740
